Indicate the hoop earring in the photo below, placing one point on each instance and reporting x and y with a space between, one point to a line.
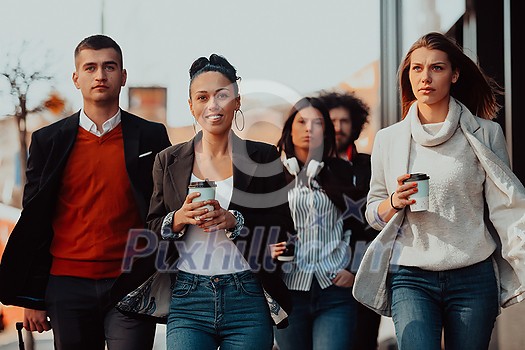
235 119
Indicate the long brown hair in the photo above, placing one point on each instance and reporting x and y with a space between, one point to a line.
474 88
285 143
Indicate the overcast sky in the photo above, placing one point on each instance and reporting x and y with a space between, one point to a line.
300 45
296 46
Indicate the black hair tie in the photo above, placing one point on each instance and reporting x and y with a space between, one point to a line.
392 203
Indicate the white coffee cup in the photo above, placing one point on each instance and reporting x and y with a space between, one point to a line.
206 189
421 196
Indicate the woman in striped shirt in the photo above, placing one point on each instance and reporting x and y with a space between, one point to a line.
324 310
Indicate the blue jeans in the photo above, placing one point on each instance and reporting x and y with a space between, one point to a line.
320 319
463 302
227 311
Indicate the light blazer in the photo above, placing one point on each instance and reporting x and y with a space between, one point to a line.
259 193
504 194
26 261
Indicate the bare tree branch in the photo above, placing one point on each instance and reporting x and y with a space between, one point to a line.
21 78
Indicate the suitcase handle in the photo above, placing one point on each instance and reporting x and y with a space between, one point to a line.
19 327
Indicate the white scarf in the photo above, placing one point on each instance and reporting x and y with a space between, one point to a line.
423 137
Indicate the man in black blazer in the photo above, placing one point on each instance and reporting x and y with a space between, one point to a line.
88 183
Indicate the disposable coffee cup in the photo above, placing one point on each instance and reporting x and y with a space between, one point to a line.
289 252
421 196
206 189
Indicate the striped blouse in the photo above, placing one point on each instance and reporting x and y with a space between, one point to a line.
322 248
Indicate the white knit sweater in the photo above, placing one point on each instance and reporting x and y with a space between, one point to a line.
452 233
505 198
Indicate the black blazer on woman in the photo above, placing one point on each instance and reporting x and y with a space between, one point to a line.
259 193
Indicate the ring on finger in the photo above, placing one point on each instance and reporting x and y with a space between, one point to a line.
198 218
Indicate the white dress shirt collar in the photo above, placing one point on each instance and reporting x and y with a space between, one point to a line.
90 126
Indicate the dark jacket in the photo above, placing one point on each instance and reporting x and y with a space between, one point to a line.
26 261
259 194
362 172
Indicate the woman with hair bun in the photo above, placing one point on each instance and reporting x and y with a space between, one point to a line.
227 292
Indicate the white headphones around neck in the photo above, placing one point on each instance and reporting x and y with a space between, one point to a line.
314 167
291 165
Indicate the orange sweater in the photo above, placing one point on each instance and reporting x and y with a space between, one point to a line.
95 209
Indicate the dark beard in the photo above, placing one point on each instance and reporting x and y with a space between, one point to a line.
343 146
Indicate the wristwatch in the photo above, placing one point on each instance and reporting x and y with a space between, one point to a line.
235 231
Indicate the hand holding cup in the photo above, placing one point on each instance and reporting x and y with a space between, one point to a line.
216 219
206 190
419 198
191 212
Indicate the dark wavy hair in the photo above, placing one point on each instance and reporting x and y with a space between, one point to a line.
215 63
99 42
285 143
473 88
357 109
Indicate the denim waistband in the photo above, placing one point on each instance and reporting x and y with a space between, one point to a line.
225 279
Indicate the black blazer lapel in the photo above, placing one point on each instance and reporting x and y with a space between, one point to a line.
180 171
244 167
61 146
131 136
